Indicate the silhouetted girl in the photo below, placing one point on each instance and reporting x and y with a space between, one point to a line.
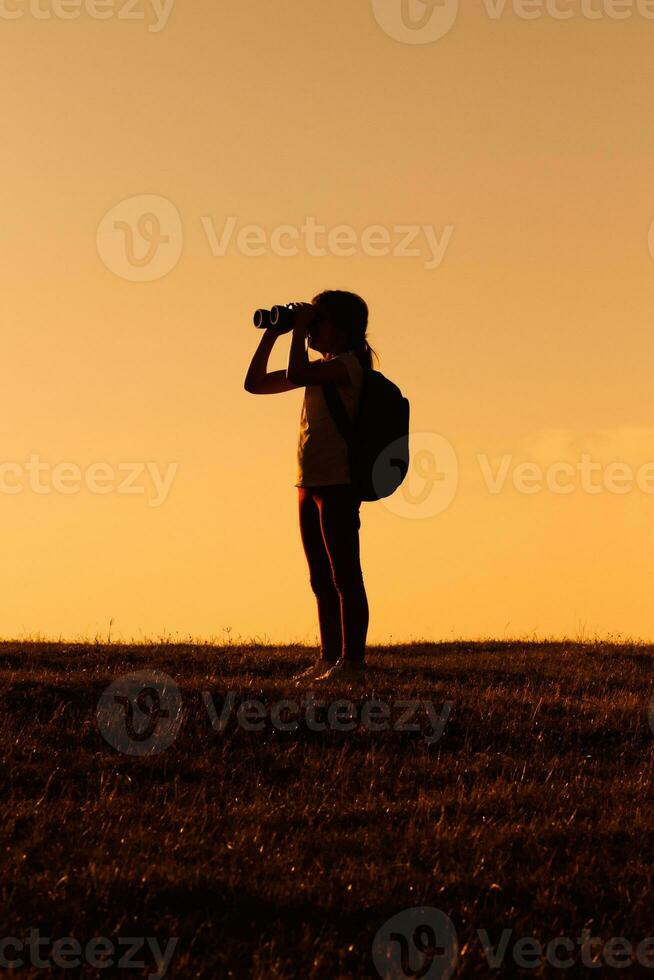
334 324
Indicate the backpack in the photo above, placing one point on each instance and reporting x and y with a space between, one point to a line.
378 439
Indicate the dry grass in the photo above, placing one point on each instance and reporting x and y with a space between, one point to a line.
279 855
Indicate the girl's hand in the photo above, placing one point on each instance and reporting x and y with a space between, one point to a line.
304 314
277 331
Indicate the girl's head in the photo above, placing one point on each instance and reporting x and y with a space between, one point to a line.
340 324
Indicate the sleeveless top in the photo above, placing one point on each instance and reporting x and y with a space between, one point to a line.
321 449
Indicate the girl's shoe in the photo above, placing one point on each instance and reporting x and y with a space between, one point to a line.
345 671
312 672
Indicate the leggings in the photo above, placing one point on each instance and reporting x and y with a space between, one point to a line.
329 526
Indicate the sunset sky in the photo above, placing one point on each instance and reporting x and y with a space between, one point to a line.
522 153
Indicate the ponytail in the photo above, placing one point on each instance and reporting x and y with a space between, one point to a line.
364 353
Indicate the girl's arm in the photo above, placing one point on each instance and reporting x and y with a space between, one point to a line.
260 381
298 358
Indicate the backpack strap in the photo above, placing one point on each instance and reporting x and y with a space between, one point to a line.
337 409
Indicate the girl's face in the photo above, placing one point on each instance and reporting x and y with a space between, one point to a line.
324 337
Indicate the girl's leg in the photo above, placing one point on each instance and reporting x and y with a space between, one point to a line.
321 577
340 522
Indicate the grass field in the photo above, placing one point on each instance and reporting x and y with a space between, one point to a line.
280 854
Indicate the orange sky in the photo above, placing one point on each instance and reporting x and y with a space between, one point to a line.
522 149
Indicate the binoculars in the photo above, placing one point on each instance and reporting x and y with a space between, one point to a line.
279 316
